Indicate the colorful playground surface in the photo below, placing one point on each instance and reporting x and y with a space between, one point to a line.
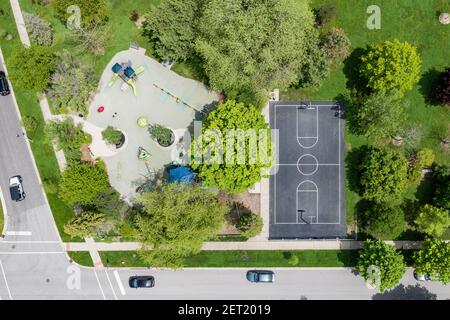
142 88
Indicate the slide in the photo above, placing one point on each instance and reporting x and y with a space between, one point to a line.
133 86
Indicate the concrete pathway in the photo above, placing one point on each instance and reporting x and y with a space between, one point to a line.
20 23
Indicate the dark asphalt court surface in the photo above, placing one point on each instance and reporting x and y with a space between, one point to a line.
307 187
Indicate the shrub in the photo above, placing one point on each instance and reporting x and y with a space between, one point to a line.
336 44
293 260
391 66
250 224
112 136
134 16
84 224
161 134
422 160
443 88
108 202
325 14
93 12
29 123
39 30
441 175
92 40
432 220
412 135
384 221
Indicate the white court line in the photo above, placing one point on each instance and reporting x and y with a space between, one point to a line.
19 233
119 282
6 282
100 286
317 131
110 284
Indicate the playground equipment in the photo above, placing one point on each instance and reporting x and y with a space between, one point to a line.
125 72
143 154
177 99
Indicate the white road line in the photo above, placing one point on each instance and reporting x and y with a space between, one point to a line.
19 233
110 284
100 286
6 282
119 282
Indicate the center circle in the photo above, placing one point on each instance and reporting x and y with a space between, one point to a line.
307 164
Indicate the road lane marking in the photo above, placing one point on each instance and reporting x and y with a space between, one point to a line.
100 286
110 284
6 282
119 282
19 233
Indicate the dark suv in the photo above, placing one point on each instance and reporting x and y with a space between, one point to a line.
4 86
16 188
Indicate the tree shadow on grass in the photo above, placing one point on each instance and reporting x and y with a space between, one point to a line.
349 258
352 162
427 86
352 71
409 292
426 190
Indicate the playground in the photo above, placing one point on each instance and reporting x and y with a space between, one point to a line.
136 92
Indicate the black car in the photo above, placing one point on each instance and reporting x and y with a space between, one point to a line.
141 282
4 86
16 188
260 276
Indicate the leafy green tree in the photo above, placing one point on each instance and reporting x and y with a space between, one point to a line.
108 202
336 44
81 183
433 259
84 224
91 11
441 174
391 66
422 159
170 28
377 115
383 174
384 221
250 224
32 67
234 150
71 84
380 265
250 47
93 40
111 135
39 30
432 220
177 219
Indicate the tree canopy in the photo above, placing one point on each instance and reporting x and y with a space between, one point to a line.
84 224
384 174
234 150
91 11
441 174
380 265
433 259
80 183
432 220
32 67
384 221
391 66
176 220
250 224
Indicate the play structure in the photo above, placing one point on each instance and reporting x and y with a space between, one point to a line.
177 99
125 72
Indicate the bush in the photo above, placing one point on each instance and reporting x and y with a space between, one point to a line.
84 224
412 135
39 30
422 160
32 67
250 225
336 44
441 177
108 202
325 14
112 136
92 40
160 134
71 84
384 221
443 88
134 16
29 123
391 66
384 174
432 220
93 12
293 260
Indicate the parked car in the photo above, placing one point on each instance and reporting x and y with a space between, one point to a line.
141 282
4 86
16 188
425 277
260 276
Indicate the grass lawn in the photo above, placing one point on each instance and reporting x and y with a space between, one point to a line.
254 258
83 258
406 20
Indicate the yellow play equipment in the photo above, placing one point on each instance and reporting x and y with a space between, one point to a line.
127 74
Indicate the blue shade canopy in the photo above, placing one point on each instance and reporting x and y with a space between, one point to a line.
181 174
116 68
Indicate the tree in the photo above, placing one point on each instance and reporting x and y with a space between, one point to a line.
432 220
177 219
112 136
443 88
81 183
421 160
71 84
377 115
234 150
108 202
93 39
441 175
384 174
39 30
380 265
391 66
336 44
250 224
91 11
250 47
384 221
433 259
32 67
84 224
170 28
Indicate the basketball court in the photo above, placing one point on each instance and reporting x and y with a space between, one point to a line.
307 187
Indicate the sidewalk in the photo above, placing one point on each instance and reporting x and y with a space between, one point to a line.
249 245
20 23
